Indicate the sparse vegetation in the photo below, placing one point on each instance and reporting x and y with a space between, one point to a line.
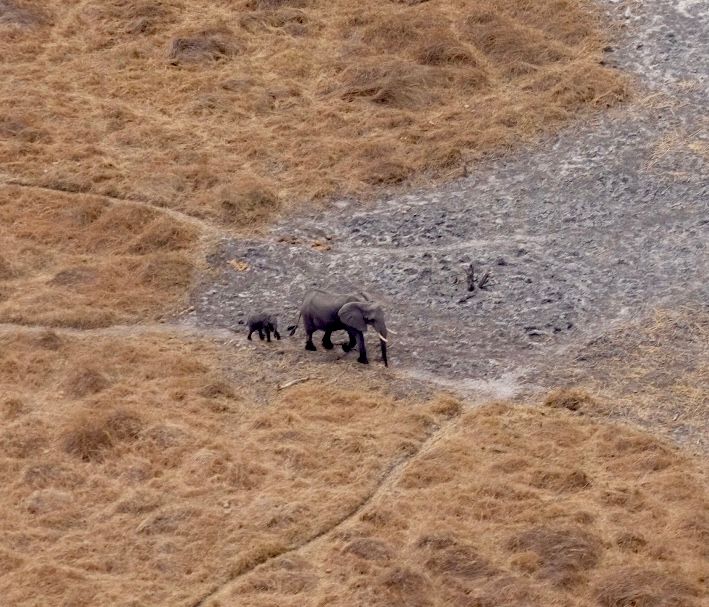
653 371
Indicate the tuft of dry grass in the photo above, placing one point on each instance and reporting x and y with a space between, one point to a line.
88 436
572 399
206 45
560 555
637 587
690 145
237 111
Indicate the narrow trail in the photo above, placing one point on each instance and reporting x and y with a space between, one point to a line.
204 226
386 481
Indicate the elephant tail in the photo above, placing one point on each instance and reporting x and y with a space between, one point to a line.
292 328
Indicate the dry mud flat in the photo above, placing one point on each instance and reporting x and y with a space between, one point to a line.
591 227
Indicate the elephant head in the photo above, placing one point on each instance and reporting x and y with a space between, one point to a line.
359 314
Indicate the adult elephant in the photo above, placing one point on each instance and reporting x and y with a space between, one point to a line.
353 312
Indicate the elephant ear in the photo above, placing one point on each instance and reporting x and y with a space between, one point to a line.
351 315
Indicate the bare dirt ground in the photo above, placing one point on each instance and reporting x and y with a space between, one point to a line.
589 229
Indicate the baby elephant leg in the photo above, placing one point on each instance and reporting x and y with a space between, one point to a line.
260 334
276 334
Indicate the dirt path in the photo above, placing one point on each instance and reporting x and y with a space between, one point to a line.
587 228
389 477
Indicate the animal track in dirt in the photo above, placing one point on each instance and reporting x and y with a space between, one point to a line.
588 227
203 226
387 479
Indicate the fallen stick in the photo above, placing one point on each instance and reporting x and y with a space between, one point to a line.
293 382
482 282
470 277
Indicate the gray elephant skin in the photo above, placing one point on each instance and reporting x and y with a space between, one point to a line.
353 313
263 323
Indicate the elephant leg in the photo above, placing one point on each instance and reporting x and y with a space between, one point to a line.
277 335
309 327
260 334
249 336
362 349
350 345
309 345
268 335
327 340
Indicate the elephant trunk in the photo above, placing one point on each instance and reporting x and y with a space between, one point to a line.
382 332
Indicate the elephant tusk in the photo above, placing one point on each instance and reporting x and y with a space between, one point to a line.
384 339
392 331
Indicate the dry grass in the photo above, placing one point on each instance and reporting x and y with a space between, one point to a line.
237 110
143 470
653 371
82 262
691 146
470 523
136 472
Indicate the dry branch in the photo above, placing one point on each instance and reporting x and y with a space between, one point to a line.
293 382
482 283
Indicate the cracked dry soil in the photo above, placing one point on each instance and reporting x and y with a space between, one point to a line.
583 229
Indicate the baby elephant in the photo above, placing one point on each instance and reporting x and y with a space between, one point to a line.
263 323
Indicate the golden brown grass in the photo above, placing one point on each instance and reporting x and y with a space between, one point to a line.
83 262
135 471
653 371
236 110
155 469
512 506
145 468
